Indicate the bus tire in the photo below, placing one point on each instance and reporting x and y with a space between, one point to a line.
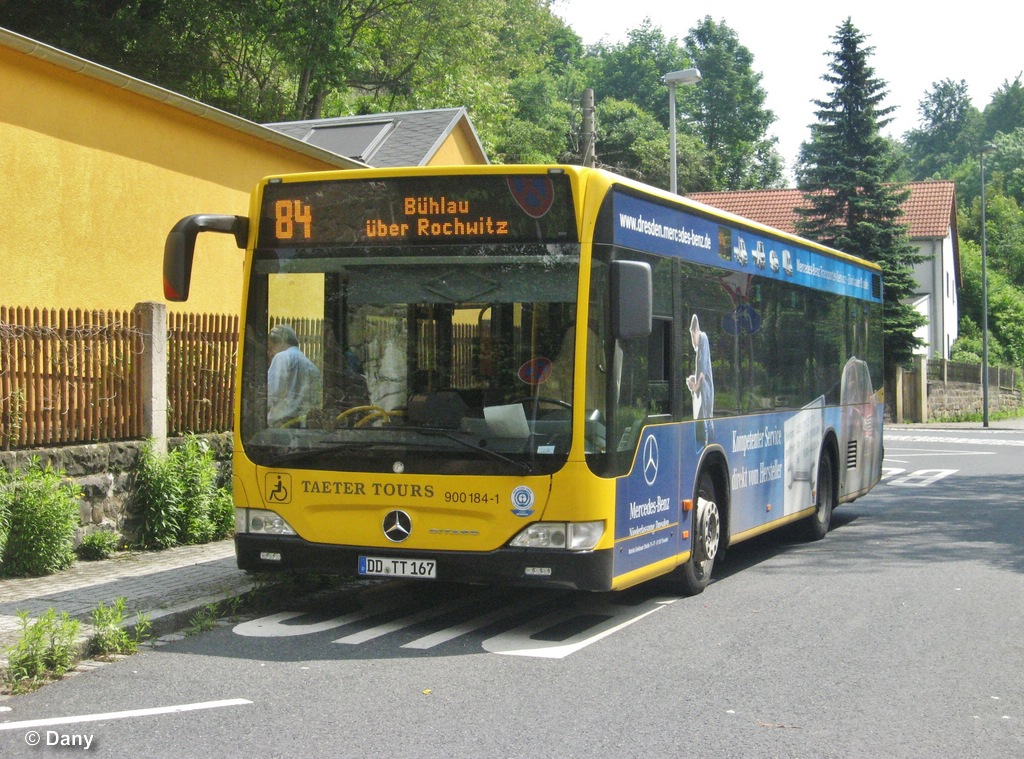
817 525
695 574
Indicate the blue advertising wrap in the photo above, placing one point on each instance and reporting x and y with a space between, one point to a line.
648 226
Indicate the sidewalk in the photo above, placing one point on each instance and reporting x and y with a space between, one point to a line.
168 586
994 425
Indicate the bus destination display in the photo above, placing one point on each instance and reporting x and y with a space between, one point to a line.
466 209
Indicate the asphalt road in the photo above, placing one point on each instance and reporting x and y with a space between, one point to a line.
899 635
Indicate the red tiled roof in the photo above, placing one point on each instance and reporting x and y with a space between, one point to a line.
930 210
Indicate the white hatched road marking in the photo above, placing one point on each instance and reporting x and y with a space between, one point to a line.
463 628
274 627
395 625
519 641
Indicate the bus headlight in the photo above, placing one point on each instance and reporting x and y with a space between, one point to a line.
583 536
574 536
261 521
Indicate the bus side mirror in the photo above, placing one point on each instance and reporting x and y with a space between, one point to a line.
632 299
180 248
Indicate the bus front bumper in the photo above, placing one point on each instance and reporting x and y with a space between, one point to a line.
589 570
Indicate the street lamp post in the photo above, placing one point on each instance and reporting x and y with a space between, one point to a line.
686 76
984 296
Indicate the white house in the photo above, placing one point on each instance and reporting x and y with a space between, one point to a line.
930 212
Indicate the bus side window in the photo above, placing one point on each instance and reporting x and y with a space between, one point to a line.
659 346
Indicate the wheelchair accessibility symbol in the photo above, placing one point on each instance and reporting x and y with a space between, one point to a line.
278 487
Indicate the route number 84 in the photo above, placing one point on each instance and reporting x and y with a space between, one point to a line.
291 213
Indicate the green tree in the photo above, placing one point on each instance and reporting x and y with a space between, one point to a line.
950 131
1005 309
1006 111
536 128
729 114
167 42
846 172
632 71
633 143
511 64
632 110
1005 164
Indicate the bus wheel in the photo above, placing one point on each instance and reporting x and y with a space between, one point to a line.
707 535
817 525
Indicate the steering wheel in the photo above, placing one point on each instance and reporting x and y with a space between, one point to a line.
372 414
538 400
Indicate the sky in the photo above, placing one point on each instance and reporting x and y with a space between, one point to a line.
916 45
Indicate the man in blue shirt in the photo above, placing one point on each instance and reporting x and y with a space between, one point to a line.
293 381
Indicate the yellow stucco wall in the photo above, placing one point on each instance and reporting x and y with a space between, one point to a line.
460 148
94 176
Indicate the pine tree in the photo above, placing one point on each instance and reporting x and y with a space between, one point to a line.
846 173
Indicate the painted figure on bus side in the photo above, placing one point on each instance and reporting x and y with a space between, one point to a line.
293 381
702 383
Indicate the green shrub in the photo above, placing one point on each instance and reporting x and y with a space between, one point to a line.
223 514
109 634
45 648
197 472
156 500
43 515
98 545
5 511
176 500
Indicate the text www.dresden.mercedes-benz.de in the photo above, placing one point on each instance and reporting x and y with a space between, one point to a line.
655 228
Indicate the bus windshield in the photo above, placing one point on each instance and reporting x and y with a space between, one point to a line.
376 357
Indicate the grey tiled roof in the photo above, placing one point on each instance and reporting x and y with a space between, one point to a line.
409 138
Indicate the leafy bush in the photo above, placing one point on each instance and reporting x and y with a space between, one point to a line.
197 473
223 514
45 648
109 634
42 508
176 499
156 500
98 545
5 511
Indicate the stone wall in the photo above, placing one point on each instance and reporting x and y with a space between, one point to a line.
940 390
957 400
104 472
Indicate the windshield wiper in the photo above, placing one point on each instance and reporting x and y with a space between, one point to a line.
522 466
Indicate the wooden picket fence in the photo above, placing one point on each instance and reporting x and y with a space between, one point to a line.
201 351
71 376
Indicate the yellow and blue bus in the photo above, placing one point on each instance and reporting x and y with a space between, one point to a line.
535 375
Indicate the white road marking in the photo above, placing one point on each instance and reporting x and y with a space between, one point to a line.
274 627
518 642
463 628
124 715
1018 443
398 624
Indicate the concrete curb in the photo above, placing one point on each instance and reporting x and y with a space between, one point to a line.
161 621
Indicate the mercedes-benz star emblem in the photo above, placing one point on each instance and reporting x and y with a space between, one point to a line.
650 459
397 526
